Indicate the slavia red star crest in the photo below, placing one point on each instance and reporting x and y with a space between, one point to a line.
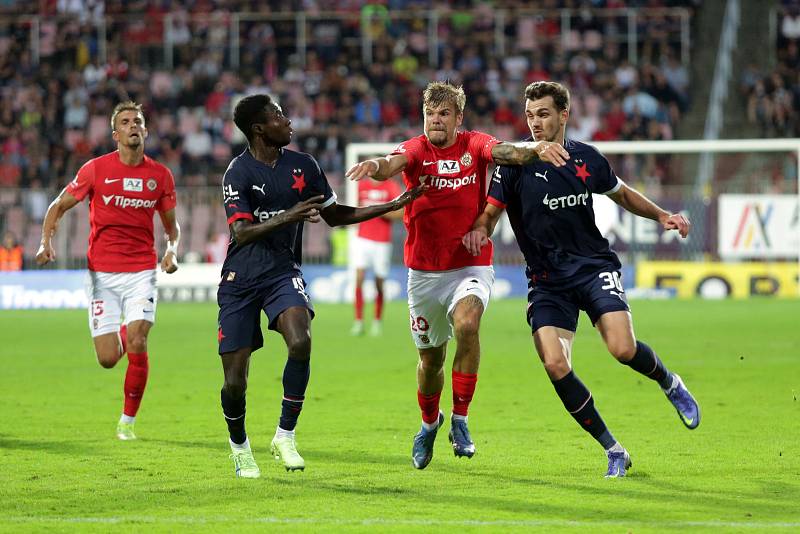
299 180
580 170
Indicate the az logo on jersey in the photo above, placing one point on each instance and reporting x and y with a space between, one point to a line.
132 184
448 166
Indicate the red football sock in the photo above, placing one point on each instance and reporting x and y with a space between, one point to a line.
135 381
429 404
378 305
463 390
123 337
359 303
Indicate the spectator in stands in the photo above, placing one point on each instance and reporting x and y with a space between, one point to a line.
10 253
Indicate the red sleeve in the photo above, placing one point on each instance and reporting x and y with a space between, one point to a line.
168 198
482 144
413 151
83 183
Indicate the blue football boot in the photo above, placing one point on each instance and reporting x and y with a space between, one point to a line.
618 464
460 438
687 407
422 452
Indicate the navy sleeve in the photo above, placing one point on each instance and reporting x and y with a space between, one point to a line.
605 180
318 185
503 187
235 195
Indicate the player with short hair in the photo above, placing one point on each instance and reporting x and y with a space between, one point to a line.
269 192
448 289
371 249
125 188
570 265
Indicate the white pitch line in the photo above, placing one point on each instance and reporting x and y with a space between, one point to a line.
188 520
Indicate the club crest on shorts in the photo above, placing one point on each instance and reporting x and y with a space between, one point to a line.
466 159
152 184
424 339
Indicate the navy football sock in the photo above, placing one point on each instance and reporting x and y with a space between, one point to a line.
647 363
295 380
579 403
234 410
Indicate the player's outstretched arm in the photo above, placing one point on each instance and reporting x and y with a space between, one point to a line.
378 168
525 152
169 263
245 232
640 205
482 228
342 215
62 203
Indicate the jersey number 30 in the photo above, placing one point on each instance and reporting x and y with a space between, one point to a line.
611 280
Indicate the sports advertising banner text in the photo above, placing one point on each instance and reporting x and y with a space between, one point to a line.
719 280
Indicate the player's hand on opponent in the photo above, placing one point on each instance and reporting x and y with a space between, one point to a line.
45 254
306 211
169 263
676 221
554 153
475 240
364 169
410 195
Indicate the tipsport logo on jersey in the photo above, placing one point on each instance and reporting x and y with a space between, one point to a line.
440 182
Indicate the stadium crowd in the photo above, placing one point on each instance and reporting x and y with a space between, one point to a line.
773 95
54 111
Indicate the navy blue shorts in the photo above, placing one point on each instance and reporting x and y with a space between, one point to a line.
596 294
240 310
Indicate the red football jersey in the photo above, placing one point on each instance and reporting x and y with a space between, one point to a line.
438 220
371 192
122 202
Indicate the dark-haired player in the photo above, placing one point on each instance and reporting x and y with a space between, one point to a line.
448 289
269 192
570 265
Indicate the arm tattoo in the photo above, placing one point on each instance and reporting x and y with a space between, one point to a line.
520 153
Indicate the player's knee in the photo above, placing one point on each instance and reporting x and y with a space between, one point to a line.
556 368
108 359
235 387
299 346
622 351
467 324
137 343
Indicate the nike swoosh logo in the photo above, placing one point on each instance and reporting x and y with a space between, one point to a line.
428 162
108 181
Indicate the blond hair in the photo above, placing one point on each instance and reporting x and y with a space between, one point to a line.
128 105
439 93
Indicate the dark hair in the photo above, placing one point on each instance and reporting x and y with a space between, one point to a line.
560 93
249 111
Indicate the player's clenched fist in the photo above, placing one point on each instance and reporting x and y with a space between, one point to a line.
45 254
679 222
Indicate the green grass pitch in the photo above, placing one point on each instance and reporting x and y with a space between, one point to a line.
62 469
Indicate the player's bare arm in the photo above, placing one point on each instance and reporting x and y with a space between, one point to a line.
62 203
245 232
482 228
342 215
524 152
169 263
378 168
638 204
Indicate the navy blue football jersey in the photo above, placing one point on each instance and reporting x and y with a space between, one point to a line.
551 213
255 191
